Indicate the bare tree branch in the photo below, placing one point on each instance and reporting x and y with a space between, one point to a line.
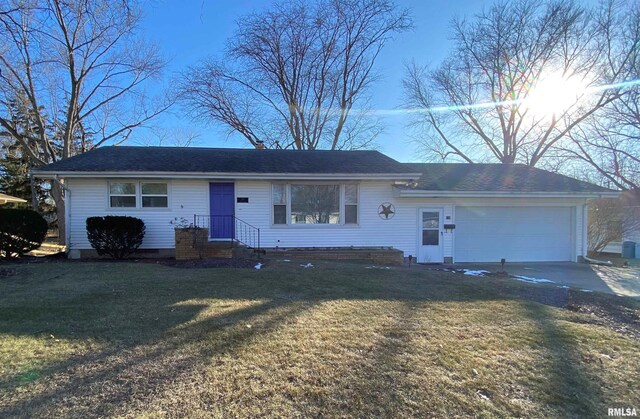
479 103
81 70
302 66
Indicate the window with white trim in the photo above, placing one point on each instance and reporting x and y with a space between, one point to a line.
122 195
138 195
351 204
305 203
154 195
279 196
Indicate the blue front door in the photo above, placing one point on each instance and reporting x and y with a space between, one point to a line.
221 206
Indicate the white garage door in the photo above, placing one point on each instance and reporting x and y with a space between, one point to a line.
518 234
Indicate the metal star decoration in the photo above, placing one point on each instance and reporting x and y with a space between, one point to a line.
387 210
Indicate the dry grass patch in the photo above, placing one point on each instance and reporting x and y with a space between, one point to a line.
335 340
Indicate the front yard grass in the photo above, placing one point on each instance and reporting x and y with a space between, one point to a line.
338 340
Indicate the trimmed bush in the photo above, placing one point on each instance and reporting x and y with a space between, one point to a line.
116 236
21 230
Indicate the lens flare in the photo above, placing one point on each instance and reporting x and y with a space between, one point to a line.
546 104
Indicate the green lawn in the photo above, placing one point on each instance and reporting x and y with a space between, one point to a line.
336 340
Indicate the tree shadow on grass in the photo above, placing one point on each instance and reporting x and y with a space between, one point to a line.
151 330
380 387
104 384
571 388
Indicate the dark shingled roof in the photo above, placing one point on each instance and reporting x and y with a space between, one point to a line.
464 177
456 177
227 160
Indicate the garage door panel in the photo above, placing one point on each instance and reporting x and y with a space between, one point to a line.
524 234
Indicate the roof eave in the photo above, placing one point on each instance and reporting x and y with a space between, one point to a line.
417 193
226 175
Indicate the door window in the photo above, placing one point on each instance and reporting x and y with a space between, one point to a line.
431 228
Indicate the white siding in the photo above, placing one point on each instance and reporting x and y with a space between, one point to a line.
400 232
89 197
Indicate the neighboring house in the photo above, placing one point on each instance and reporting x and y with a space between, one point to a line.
8 199
630 202
299 199
631 209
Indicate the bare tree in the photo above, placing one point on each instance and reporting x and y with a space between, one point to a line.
82 69
608 142
610 219
610 145
177 136
520 77
294 73
605 223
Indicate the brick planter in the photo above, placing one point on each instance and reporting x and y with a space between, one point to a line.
193 243
377 255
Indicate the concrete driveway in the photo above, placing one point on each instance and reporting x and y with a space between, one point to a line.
619 281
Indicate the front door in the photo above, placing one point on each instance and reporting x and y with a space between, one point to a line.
222 204
431 232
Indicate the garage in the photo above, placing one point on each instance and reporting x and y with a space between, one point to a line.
518 234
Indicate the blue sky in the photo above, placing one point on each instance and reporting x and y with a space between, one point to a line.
190 30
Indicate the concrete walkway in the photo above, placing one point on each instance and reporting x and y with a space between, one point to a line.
619 281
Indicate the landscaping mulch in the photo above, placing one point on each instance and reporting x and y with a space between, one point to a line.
547 295
615 313
208 263
195 263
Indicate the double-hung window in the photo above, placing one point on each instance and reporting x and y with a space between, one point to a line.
154 195
122 195
138 195
303 203
279 194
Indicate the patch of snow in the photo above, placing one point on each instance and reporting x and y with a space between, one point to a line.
308 265
377 267
285 260
532 280
583 290
471 272
529 269
258 266
563 286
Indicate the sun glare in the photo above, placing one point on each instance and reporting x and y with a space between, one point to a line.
554 94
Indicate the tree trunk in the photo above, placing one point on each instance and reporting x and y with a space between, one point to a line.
57 193
34 195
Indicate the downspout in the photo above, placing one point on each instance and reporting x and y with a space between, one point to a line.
585 230
67 212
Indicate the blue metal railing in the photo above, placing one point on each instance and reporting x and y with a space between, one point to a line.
229 227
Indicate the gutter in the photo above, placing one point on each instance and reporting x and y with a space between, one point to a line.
493 194
228 175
